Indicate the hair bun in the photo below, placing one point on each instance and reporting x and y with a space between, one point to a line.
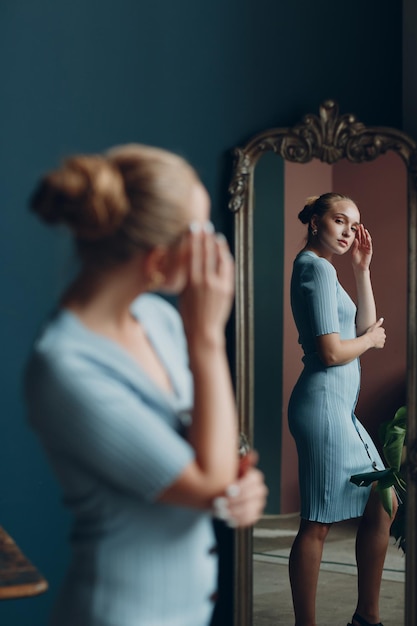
87 194
306 213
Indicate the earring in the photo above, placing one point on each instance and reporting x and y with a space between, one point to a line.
314 232
156 281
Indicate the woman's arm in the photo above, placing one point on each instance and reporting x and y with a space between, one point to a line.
361 260
113 434
335 351
205 308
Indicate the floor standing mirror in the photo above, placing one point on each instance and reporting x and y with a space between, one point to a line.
342 142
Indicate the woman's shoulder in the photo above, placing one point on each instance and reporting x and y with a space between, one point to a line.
57 344
65 347
153 305
54 358
59 330
310 271
155 312
310 262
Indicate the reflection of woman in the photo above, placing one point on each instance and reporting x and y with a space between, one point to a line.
111 394
331 443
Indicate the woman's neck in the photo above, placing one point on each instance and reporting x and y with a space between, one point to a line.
102 299
311 247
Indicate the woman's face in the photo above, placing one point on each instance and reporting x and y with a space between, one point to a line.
197 211
336 229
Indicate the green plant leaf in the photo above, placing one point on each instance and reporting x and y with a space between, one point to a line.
367 478
386 498
393 435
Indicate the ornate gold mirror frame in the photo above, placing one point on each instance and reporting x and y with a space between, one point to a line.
328 137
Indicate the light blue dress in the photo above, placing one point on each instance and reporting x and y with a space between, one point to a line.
114 440
331 443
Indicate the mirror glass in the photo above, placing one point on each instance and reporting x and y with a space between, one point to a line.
273 174
379 188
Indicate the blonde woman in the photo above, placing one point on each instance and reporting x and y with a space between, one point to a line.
133 402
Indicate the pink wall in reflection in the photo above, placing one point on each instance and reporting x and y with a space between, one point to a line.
380 190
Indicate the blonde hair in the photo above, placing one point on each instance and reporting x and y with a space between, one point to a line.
128 199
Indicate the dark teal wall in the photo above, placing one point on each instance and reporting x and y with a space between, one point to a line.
196 77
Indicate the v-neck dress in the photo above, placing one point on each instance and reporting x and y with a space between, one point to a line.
331 442
114 440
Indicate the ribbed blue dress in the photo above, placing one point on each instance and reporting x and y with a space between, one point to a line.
114 440
331 443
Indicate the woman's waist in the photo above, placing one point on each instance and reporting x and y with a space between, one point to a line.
139 525
312 361
316 378
140 551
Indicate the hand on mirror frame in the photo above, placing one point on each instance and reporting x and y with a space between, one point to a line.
244 501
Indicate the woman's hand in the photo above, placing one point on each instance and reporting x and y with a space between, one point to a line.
206 301
362 249
244 501
377 334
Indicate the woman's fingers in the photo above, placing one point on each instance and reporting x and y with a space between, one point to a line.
367 239
244 501
207 298
212 259
364 237
359 234
378 333
246 462
202 251
362 248
196 252
210 254
225 263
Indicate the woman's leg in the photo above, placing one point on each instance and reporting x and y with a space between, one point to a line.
304 566
371 548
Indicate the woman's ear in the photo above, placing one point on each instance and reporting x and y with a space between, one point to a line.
154 267
314 224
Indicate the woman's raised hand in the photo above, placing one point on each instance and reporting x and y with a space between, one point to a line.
206 301
362 249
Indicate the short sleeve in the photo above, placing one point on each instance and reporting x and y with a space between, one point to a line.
319 286
89 419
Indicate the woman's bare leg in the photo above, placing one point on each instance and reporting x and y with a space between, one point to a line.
371 548
304 566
